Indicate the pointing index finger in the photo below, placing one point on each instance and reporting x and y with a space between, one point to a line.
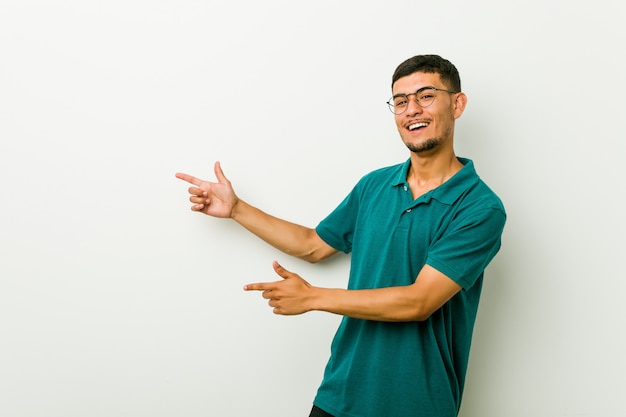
259 286
189 178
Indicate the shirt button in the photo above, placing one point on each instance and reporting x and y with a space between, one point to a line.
405 188
408 210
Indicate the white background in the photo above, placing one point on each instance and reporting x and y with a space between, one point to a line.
117 300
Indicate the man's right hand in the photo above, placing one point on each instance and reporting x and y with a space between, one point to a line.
217 199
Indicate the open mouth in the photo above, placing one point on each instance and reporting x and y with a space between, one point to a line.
416 126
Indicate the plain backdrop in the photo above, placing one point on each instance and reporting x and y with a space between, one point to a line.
117 300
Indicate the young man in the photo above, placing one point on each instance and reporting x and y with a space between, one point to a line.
421 234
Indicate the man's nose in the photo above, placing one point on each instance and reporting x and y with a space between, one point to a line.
412 106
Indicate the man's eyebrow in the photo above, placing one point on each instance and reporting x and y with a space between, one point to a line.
415 92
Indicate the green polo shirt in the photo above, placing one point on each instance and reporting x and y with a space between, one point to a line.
382 369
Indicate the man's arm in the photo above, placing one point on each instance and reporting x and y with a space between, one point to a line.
415 302
219 200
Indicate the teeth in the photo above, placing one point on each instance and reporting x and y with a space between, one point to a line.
416 125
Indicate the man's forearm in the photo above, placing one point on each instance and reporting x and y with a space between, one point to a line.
393 304
414 302
290 238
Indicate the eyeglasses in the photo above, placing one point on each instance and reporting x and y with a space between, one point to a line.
425 96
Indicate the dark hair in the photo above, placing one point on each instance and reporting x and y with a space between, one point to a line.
430 64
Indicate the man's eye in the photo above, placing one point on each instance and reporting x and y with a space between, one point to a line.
400 102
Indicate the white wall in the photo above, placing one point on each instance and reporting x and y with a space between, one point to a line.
117 300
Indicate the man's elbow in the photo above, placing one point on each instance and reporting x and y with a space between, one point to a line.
408 313
422 312
317 251
422 315
314 256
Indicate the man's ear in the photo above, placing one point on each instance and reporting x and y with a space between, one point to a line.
459 104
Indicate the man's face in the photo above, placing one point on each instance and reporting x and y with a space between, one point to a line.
426 129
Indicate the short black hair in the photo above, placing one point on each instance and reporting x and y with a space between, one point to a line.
430 64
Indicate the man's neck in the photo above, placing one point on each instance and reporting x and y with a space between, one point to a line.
429 172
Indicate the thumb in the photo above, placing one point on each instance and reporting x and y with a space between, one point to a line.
219 174
282 272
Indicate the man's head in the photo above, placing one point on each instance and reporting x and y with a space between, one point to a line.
433 64
427 99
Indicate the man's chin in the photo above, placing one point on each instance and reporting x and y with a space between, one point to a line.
423 147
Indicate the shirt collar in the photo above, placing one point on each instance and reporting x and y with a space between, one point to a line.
449 191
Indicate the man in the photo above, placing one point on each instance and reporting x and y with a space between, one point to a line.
421 234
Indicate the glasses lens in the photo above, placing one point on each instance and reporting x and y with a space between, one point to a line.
398 104
426 97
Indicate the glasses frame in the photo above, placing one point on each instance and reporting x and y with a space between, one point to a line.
392 106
